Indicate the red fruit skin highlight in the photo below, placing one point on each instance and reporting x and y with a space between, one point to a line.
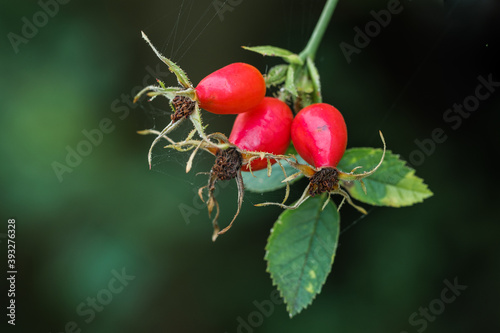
266 127
319 134
232 89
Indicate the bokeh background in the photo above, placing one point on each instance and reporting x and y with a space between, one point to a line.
109 215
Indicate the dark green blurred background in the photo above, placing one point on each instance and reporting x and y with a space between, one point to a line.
111 215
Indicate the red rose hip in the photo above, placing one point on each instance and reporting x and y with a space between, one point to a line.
266 128
319 134
232 89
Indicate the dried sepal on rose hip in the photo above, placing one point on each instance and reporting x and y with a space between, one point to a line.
319 134
233 89
258 139
230 162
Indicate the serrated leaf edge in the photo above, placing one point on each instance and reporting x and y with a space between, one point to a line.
426 192
327 273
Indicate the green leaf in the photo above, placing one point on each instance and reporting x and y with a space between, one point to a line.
262 183
290 81
276 75
305 87
274 51
300 251
394 184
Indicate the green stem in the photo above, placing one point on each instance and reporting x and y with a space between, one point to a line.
319 31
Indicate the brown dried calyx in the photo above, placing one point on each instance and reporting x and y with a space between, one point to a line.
183 106
227 164
324 180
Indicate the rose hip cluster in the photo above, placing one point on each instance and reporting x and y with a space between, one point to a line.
261 135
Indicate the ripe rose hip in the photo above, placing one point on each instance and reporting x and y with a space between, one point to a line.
266 128
319 134
232 89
